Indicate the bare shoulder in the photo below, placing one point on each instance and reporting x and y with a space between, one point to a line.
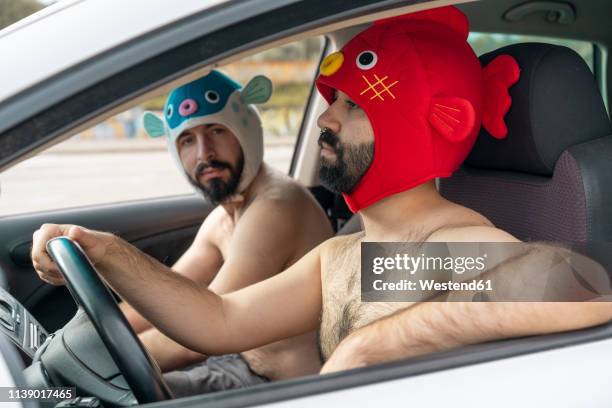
472 233
279 186
215 223
275 208
289 200
341 244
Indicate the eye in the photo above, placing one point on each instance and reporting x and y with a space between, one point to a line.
366 59
185 140
187 107
169 111
211 97
351 104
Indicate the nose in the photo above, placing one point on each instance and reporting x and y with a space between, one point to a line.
206 151
329 120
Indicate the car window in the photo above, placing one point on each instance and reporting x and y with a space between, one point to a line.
115 161
487 42
12 11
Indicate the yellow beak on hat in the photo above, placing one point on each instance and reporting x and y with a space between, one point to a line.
331 63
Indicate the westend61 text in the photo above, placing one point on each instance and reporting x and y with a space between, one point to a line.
430 284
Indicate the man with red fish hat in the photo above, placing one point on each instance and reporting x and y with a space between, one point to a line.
406 97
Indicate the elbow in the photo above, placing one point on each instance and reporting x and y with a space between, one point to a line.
566 316
594 313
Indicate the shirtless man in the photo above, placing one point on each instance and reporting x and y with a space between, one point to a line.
364 147
263 223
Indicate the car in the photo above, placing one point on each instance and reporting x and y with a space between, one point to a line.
73 72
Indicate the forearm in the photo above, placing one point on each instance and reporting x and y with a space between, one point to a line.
169 354
138 323
437 326
451 322
184 311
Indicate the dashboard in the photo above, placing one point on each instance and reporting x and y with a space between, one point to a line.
19 325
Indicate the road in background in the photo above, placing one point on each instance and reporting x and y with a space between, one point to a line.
88 173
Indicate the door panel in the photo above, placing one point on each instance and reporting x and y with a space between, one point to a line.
163 228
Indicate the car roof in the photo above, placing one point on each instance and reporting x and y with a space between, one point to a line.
72 31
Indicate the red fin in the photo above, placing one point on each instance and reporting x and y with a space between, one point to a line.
451 117
450 16
498 76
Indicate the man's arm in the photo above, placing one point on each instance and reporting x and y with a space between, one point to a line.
434 326
168 354
263 242
200 263
283 306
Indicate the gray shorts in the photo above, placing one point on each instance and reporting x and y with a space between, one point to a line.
217 373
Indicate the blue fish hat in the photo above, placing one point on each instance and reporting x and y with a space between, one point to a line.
216 99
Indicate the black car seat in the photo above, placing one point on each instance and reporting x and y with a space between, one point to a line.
551 178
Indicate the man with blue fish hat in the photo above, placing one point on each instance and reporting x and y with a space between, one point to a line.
216 103
264 221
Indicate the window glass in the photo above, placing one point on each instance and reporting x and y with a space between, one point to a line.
115 160
12 11
487 42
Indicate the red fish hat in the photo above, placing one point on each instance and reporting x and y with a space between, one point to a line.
425 94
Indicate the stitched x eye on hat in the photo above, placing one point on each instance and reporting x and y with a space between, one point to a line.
216 99
425 94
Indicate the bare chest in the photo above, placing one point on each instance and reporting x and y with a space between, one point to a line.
343 312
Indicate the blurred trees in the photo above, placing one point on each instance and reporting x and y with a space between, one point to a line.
14 10
290 92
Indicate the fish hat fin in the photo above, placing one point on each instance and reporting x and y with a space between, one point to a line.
257 91
498 76
451 117
153 125
448 16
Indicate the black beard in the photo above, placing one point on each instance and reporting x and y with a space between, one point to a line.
352 161
218 190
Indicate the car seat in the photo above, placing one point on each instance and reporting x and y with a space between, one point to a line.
551 178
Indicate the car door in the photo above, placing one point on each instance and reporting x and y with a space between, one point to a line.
163 228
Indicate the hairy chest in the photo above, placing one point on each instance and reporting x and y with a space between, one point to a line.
343 312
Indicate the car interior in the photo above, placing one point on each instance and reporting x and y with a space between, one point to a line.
551 180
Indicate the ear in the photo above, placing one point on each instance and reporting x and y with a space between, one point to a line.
153 125
257 91
451 117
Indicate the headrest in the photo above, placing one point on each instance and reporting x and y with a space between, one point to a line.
555 104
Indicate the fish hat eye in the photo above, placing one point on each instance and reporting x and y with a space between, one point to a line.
211 97
366 59
169 111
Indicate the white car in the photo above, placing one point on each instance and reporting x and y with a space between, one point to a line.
78 65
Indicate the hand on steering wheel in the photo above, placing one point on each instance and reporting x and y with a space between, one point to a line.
93 296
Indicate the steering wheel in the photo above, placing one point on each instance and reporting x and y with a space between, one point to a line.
91 294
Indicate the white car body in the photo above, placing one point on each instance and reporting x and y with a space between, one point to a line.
71 33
